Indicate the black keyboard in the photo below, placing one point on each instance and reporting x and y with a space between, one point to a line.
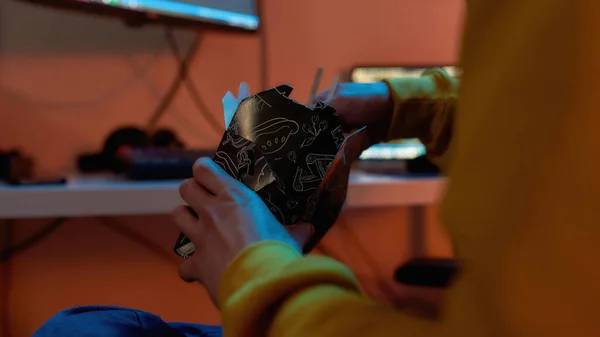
161 163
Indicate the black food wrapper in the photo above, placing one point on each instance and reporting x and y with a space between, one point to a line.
294 157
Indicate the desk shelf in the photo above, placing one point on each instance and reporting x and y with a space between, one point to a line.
87 196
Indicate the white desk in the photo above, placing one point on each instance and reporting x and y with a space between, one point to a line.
82 197
100 196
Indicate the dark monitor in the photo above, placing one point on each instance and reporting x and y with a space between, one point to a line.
231 14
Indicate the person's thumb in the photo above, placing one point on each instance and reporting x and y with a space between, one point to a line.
301 233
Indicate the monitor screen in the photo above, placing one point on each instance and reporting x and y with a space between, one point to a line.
239 14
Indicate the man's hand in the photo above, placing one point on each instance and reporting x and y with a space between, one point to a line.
360 104
230 217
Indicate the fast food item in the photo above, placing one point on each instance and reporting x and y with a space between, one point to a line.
295 157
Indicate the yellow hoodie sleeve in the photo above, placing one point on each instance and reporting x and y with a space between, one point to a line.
521 209
271 290
523 197
424 108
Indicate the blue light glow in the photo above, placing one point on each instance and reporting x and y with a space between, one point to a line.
176 8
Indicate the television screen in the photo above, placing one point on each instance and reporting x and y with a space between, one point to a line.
239 14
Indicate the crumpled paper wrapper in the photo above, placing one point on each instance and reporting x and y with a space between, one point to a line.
295 157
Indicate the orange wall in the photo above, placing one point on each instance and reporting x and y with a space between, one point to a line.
66 80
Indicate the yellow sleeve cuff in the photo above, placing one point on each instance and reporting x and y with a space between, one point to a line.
265 274
418 102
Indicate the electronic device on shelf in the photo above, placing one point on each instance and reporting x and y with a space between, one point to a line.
390 157
396 150
161 163
240 15
154 163
14 165
370 74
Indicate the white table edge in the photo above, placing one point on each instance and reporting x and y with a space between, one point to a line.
88 197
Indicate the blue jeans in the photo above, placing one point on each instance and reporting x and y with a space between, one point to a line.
104 321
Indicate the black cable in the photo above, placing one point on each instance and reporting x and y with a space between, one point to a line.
191 85
140 240
116 91
168 98
183 76
11 251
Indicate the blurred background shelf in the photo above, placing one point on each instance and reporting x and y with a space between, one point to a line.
88 196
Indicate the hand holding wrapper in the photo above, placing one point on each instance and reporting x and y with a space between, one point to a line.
294 157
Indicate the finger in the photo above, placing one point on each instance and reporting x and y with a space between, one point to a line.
301 233
186 271
212 177
193 194
188 223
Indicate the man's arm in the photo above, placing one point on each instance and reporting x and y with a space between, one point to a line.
522 204
425 108
271 290
318 296
523 195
